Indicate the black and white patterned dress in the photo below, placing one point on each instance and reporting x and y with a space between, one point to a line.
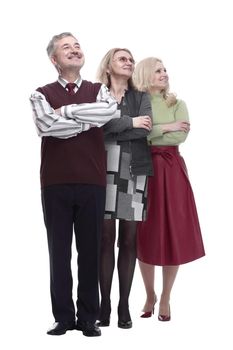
126 193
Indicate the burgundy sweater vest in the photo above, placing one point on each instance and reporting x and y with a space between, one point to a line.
80 159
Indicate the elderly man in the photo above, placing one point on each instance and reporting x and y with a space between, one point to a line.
68 115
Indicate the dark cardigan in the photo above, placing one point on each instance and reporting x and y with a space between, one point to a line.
138 103
141 162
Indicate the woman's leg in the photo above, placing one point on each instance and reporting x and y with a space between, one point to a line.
148 275
169 276
126 265
107 264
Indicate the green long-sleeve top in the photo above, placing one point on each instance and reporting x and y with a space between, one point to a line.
162 114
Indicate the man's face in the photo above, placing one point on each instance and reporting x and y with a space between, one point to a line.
68 55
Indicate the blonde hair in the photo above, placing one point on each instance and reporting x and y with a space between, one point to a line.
103 75
142 79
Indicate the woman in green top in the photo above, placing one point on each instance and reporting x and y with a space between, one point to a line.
171 234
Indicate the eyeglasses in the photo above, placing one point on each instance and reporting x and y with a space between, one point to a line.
124 59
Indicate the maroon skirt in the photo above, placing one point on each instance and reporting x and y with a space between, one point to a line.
171 234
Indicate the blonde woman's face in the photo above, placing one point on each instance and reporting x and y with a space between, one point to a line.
122 64
159 78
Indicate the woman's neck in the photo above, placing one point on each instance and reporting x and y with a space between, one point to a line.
118 89
154 91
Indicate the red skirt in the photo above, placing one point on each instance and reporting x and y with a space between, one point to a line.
171 234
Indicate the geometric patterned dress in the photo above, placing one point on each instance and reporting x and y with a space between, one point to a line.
125 193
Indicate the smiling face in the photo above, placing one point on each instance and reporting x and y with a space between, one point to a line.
122 64
67 55
159 79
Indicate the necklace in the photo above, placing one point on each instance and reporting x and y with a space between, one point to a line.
118 96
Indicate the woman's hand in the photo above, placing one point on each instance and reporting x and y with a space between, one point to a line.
180 125
142 122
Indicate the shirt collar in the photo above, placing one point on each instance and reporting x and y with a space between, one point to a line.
63 82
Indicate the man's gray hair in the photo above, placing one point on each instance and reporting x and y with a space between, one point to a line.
55 38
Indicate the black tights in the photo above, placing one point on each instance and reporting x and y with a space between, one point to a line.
125 264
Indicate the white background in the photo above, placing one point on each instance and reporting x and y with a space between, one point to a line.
193 38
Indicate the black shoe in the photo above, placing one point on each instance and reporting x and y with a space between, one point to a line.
103 323
125 324
89 329
104 313
123 315
59 328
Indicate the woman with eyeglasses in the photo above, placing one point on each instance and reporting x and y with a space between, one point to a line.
128 165
171 235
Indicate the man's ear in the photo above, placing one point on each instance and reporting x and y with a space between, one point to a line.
53 60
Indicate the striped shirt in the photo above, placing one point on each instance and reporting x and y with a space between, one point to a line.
75 118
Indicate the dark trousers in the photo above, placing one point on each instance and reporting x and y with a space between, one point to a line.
77 208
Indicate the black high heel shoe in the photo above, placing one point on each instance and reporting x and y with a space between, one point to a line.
124 319
125 324
104 315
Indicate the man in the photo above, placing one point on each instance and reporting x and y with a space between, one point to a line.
68 115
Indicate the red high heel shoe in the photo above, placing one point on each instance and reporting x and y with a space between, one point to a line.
148 314
164 318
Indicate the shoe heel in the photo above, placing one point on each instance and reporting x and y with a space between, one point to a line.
148 314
